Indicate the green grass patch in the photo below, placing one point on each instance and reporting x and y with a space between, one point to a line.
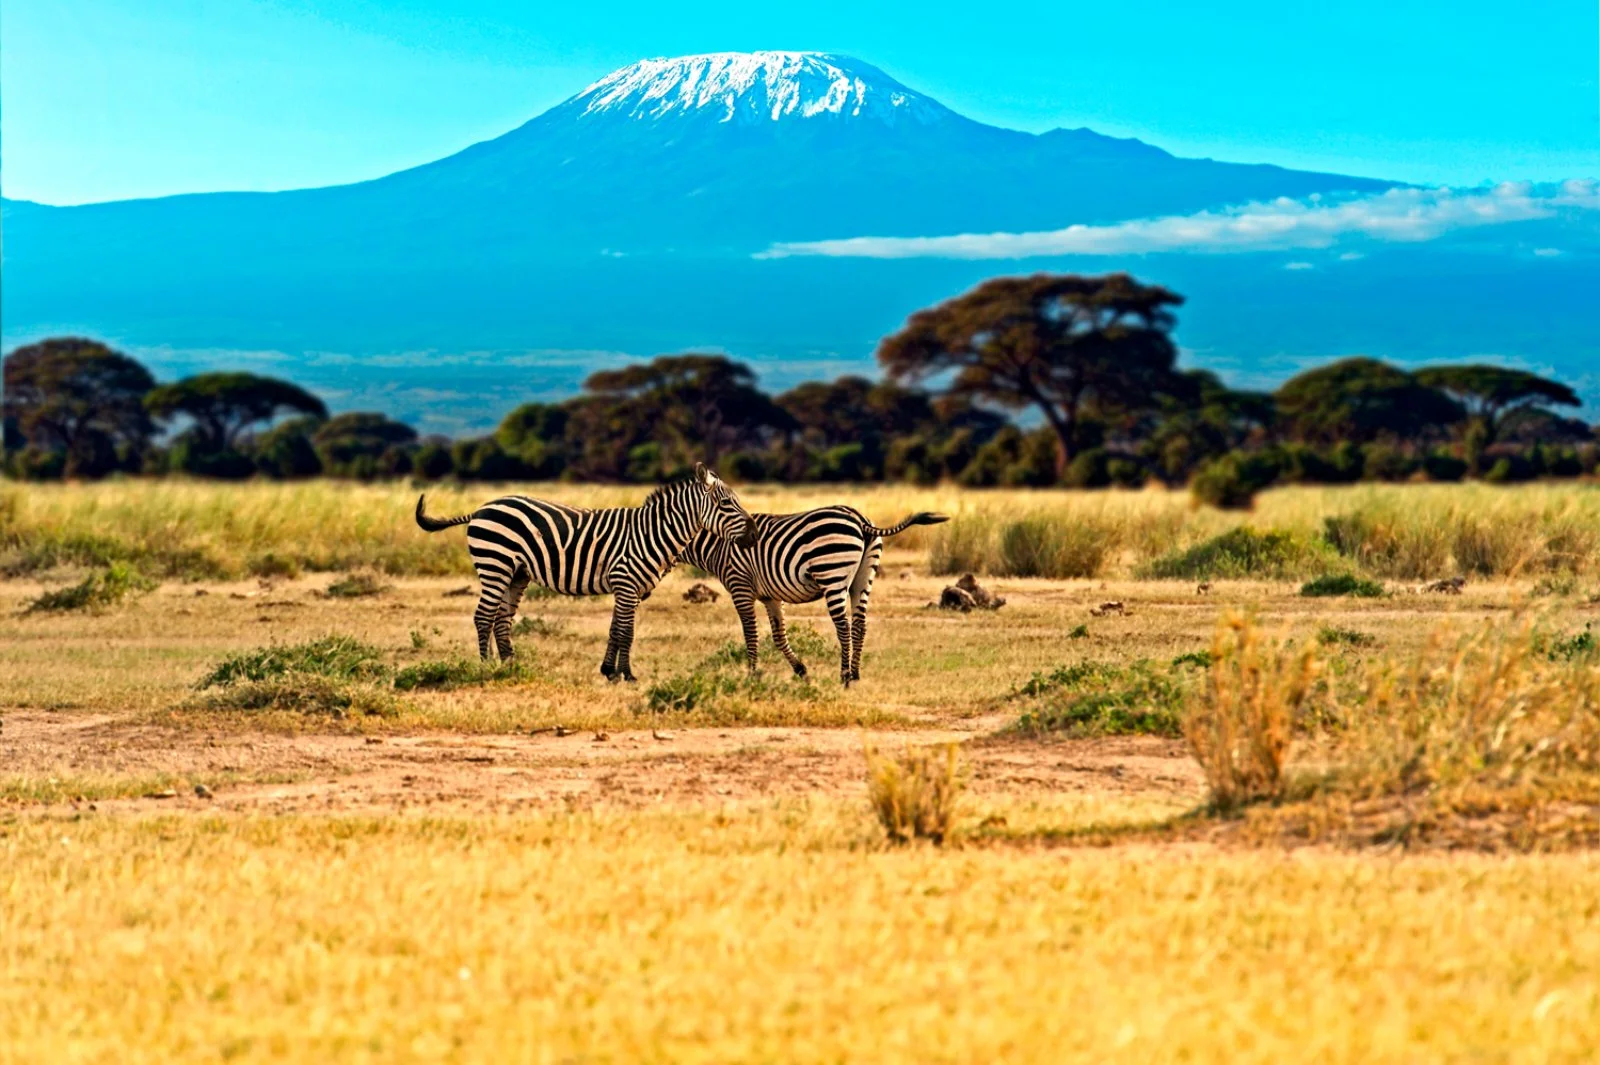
335 657
1333 585
356 586
300 693
113 585
451 673
1241 553
1571 647
537 627
1335 636
1102 699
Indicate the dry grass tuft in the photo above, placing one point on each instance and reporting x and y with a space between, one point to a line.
1239 723
916 796
115 584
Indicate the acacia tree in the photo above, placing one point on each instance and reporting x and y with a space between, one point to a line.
697 406
223 405
1491 395
1361 400
78 397
1067 345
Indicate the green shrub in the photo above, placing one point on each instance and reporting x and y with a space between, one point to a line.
300 693
336 657
1333 635
1232 481
356 586
1341 584
1100 699
452 673
1578 645
1443 466
537 627
96 592
1242 552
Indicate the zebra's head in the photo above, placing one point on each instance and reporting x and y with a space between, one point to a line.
722 515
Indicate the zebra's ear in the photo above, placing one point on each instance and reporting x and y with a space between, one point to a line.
701 474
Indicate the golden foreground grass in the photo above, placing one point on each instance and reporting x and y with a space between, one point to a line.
547 869
773 932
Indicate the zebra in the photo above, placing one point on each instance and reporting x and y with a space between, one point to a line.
515 540
829 553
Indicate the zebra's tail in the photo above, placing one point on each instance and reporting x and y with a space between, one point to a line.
924 518
428 524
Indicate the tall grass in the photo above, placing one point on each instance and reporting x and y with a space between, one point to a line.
176 528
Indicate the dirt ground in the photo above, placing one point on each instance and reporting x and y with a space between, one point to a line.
633 768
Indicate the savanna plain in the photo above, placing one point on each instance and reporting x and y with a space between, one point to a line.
1208 787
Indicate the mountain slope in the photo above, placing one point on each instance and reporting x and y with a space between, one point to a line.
627 218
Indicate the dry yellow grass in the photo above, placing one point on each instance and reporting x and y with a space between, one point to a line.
633 927
767 934
1396 531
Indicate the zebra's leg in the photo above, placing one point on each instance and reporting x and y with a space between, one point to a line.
860 592
508 610
780 637
621 643
744 601
484 617
839 610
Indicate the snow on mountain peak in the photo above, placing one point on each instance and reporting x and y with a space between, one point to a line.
755 87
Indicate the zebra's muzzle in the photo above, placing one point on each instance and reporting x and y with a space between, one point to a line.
747 539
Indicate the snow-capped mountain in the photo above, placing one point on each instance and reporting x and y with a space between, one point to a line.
631 218
757 87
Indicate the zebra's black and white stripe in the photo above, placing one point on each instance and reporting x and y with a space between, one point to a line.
515 541
830 553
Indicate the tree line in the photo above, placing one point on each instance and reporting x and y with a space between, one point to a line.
1088 363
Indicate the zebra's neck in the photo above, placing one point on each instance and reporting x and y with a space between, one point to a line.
666 524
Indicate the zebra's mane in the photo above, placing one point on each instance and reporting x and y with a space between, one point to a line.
665 488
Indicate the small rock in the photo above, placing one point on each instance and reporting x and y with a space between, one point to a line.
1448 586
700 592
1106 609
562 730
1203 588
601 737
465 589
165 794
665 737
374 739
202 791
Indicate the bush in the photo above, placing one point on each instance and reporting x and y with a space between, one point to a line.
1088 469
336 657
1045 546
452 673
1238 724
1443 466
1243 552
1341 584
1097 699
300 693
1232 481
1387 463
1333 635
96 592
916 796
356 586
432 461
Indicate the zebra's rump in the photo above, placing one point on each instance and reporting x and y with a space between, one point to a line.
566 549
796 557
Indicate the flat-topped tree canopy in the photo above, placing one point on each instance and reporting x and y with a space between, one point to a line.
1068 345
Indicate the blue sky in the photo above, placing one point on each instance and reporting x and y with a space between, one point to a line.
109 99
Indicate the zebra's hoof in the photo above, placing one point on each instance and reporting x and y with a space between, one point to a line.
855 674
608 671
800 669
629 678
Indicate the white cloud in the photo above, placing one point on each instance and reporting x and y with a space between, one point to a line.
1298 266
1351 256
1547 253
1408 215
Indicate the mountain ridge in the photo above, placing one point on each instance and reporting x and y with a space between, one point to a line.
619 230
